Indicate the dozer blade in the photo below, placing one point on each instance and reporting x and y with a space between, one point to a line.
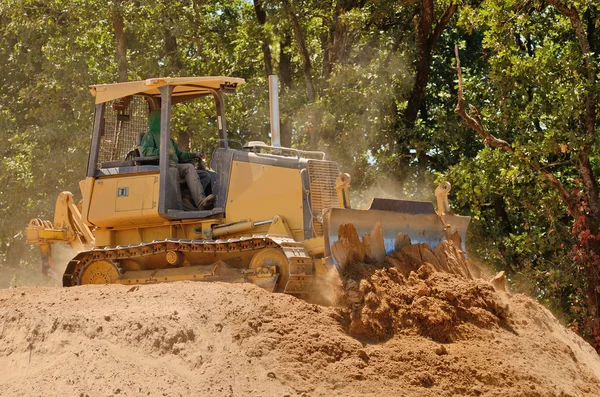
398 218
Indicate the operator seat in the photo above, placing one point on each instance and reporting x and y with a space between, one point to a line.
140 159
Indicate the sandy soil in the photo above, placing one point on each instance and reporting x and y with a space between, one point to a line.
414 328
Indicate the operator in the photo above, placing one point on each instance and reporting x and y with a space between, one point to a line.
187 172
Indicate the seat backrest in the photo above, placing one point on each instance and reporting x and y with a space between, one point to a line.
138 143
139 138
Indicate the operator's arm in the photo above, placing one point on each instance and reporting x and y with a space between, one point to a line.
181 155
149 145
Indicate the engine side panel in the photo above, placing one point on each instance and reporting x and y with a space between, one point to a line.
261 191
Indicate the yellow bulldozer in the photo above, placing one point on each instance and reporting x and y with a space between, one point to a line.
275 220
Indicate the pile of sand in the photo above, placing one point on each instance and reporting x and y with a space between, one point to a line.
420 292
423 325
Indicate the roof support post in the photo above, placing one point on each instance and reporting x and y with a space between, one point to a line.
96 136
222 124
165 145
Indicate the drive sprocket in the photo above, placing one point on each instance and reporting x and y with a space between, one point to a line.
99 272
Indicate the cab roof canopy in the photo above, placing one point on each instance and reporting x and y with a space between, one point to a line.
184 87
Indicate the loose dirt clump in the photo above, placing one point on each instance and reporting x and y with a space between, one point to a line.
439 306
417 291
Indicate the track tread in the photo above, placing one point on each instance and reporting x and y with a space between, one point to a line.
300 264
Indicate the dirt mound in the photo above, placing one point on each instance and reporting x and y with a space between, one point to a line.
235 339
423 325
421 292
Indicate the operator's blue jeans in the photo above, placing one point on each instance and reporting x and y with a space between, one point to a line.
187 172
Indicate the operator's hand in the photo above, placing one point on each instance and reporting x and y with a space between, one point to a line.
171 152
201 155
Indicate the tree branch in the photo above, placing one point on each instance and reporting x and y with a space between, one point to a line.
473 120
425 23
442 23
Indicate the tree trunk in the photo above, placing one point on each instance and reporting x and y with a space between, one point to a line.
417 94
285 60
337 43
174 65
593 285
306 64
285 74
500 210
426 41
312 129
590 181
337 39
261 17
121 54
197 24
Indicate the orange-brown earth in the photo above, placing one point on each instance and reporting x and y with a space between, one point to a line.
423 325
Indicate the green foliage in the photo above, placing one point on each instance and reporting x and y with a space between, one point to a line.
522 64
532 93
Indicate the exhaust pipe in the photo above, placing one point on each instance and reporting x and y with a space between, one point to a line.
274 110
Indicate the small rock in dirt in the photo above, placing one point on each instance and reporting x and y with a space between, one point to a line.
426 270
363 356
423 290
441 350
425 380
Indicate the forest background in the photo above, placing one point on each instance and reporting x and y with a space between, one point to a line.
373 83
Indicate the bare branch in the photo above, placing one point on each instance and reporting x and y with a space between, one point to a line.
558 164
473 120
441 24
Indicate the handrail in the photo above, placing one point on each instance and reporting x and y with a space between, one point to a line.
228 141
299 153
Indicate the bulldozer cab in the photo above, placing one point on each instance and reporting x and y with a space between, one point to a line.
121 116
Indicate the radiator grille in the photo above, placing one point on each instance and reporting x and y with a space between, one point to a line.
123 121
322 176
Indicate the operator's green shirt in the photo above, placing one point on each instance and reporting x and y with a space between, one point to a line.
151 141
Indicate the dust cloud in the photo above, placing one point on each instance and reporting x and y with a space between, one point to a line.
25 273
